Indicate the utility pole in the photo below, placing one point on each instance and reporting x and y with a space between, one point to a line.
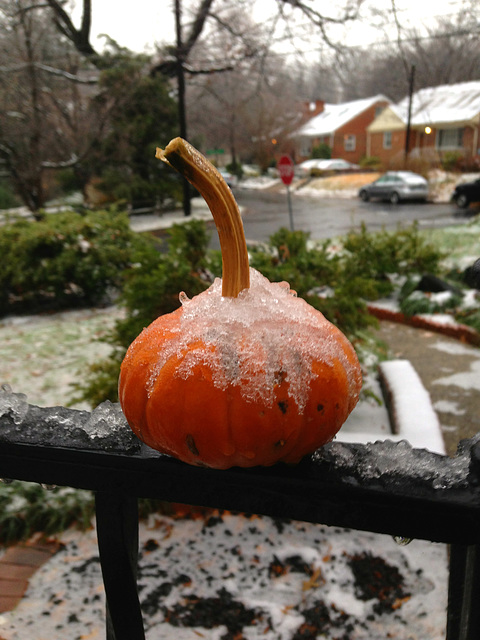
409 119
181 98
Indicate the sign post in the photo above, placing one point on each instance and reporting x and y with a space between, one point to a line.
285 169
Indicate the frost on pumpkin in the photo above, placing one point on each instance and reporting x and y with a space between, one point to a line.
258 340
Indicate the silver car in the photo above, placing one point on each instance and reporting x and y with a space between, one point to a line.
396 186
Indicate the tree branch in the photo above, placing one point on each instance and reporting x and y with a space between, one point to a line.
51 70
62 164
319 19
79 37
197 27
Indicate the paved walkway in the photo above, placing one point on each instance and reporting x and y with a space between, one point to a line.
17 566
449 370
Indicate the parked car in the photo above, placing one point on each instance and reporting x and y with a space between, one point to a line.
466 193
317 165
229 178
396 186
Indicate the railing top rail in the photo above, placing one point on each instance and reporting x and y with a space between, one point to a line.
383 487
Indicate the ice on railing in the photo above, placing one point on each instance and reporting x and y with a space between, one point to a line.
12 404
108 427
388 459
105 428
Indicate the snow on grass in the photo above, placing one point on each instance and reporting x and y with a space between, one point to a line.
460 243
43 355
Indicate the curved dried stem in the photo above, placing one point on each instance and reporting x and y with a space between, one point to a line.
183 157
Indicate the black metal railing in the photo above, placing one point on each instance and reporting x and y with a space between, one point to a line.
384 487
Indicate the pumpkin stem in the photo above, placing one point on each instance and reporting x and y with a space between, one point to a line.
183 157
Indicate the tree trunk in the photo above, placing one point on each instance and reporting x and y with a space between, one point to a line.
181 99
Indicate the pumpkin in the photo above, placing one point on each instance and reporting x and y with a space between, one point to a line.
243 374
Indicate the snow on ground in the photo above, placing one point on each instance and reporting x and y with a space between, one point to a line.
447 406
220 575
466 379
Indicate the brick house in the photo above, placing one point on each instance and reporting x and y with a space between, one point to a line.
443 119
342 126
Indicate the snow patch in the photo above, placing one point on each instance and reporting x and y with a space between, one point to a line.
415 417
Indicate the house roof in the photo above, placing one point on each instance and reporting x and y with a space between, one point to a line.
335 116
448 104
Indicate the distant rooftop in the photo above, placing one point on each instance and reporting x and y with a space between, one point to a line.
335 116
448 103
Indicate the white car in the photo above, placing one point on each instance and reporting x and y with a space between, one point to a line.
395 186
229 178
321 164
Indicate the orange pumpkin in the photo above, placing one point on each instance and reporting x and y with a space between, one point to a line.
243 374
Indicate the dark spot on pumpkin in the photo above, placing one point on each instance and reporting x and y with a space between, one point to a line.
283 406
279 443
279 376
320 408
337 406
192 447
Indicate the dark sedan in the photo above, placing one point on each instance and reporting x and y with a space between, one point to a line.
466 193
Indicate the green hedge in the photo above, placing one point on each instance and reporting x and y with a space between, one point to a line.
64 260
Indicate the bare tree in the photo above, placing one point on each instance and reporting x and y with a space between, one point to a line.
443 52
55 108
43 117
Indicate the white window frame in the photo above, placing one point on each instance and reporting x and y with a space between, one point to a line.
350 142
387 140
450 138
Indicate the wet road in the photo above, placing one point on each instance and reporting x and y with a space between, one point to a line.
264 212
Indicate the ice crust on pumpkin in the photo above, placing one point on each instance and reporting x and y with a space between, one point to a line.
265 335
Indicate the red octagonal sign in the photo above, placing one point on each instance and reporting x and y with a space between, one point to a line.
285 169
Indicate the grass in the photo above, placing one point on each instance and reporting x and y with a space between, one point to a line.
461 243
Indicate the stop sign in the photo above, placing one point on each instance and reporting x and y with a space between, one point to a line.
285 169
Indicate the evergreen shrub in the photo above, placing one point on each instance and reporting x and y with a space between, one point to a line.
64 260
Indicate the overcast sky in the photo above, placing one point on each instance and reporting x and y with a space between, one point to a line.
140 24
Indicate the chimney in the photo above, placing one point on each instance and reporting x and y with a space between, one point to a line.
312 108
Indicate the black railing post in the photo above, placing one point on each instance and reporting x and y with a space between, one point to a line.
117 531
463 617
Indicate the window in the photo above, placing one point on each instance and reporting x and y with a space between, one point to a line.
450 138
349 142
305 147
387 140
